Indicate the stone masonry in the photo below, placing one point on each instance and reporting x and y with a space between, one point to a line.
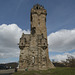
34 46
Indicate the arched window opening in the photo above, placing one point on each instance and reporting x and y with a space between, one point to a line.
33 59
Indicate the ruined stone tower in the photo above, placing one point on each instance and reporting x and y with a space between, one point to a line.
34 46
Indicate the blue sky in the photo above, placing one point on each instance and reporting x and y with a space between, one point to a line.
60 19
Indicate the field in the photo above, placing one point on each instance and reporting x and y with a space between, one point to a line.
56 71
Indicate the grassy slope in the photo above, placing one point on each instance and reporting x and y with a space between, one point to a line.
57 71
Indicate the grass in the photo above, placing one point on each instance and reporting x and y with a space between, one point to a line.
56 71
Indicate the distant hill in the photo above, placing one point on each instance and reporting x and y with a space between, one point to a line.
9 65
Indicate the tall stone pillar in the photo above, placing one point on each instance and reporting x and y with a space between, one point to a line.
34 46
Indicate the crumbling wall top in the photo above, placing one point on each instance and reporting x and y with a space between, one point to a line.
37 6
38 9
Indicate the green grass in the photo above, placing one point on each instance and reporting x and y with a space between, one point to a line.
56 71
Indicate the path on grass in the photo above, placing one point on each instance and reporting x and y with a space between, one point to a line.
6 72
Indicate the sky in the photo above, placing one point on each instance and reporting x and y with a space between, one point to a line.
60 24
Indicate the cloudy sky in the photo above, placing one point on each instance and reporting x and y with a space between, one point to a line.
15 19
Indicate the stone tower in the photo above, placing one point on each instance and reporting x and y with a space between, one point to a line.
34 46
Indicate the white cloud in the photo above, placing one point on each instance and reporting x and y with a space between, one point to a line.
9 38
62 40
61 57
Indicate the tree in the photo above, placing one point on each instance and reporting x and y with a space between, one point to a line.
70 61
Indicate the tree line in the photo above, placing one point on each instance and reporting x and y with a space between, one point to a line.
70 62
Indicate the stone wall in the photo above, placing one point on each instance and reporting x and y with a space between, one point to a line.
34 46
